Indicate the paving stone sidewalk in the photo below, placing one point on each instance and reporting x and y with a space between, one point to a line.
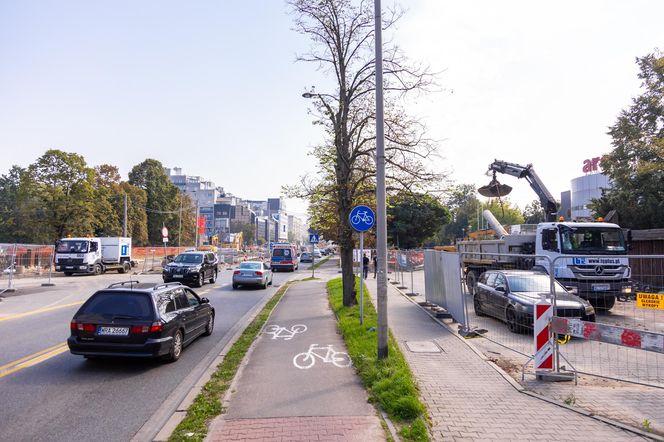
468 399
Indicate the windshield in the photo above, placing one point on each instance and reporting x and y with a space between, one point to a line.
592 240
189 258
533 283
250 265
72 246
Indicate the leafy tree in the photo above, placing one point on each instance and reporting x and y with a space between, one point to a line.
533 213
636 163
9 187
163 200
342 34
248 231
464 205
56 198
412 218
505 213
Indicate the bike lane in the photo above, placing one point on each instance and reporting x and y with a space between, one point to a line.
298 382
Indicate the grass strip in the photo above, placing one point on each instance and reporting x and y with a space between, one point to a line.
389 382
321 262
207 404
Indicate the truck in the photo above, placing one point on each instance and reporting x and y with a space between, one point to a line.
590 258
93 255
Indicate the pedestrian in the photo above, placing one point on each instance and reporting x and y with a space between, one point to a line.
375 262
365 266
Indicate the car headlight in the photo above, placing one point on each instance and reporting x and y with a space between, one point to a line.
626 289
590 310
194 269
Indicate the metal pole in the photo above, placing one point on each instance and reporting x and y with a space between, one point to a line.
361 277
124 230
313 259
180 225
50 265
381 214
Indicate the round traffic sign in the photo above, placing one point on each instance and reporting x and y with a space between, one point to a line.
361 218
164 232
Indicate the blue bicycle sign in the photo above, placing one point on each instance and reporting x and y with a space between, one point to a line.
361 218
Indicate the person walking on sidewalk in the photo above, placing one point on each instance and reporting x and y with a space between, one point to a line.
375 263
365 266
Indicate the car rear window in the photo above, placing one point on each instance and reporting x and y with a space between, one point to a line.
250 265
119 303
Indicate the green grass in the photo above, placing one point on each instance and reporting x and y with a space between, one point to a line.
207 404
321 262
389 382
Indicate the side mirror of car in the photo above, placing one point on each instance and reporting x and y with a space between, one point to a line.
205 301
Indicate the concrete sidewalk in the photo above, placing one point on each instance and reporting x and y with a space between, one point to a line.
286 393
467 398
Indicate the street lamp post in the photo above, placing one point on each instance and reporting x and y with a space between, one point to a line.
381 214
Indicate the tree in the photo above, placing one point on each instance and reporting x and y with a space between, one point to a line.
248 231
636 163
343 36
505 213
163 200
9 187
413 218
533 213
56 198
463 203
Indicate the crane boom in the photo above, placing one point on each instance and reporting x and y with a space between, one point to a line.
549 204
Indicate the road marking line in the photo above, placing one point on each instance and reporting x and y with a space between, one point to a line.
33 359
41 310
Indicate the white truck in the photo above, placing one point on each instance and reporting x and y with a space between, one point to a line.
589 258
93 255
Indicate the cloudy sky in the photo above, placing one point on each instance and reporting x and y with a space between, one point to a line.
212 86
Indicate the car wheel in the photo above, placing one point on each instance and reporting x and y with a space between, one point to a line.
176 347
209 327
200 280
98 269
270 281
512 322
213 279
264 285
477 305
235 286
604 304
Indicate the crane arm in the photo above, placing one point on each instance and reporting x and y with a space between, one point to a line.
546 199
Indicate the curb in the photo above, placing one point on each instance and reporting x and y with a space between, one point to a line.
518 387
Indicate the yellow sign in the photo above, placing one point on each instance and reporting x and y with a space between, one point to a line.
650 300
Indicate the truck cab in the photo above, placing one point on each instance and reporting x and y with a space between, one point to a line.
93 255
589 258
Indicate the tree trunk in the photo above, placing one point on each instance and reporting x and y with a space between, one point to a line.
348 277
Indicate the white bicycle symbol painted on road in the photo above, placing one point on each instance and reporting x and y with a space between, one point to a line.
363 217
286 334
325 353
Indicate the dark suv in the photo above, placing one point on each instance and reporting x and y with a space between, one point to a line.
192 268
140 320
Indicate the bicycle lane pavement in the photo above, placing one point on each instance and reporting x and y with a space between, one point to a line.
273 399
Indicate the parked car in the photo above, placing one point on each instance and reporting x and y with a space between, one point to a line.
306 257
192 268
140 320
317 254
510 295
255 273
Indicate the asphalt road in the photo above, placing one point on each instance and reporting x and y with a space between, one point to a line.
63 397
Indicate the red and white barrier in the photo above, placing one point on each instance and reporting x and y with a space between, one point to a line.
543 344
609 334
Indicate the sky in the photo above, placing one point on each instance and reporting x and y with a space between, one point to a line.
213 86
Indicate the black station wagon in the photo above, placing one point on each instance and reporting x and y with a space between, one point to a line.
140 320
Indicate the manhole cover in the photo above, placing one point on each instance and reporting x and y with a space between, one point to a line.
423 347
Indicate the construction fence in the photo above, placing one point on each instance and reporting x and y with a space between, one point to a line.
24 260
612 327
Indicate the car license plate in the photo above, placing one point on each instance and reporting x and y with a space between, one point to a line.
177 276
69 267
601 287
113 331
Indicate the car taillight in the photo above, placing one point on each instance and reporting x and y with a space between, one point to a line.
89 328
237 272
287 262
73 325
259 273
138 329
156 327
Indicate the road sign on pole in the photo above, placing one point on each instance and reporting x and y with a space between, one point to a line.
361 218
313 238
164 232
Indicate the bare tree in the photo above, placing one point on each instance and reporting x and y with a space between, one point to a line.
342 35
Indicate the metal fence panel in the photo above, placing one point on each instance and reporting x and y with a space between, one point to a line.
443 282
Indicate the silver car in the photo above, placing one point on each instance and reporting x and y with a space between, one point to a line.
254 273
